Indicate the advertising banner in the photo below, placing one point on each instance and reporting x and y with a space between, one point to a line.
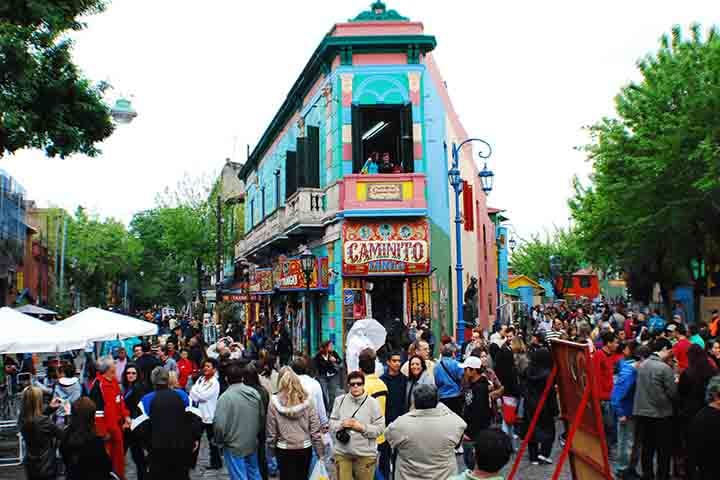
287 274
386 248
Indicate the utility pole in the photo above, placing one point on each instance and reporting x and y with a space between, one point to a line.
57 257
219 254
62 257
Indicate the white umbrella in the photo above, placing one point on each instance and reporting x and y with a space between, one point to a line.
25 334
98 325
365 333
34 310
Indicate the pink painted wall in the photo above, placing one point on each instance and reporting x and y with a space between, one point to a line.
379 59
486 270
355 29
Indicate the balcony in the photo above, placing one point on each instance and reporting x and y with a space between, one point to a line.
381 195
303 214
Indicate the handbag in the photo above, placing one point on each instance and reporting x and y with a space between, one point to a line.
319 472
509 410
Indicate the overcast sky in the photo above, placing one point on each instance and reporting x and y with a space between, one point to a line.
207 77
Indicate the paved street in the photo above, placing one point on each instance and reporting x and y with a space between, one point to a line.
527 471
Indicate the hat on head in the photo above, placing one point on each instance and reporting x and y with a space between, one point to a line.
671 328
472 362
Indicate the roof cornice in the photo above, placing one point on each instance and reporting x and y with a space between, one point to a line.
320 61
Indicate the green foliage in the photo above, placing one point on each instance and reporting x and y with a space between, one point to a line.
652 205
99 254
45 102
179 230
532 257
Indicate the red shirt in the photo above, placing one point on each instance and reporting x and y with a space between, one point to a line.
185 368
604 369
680 349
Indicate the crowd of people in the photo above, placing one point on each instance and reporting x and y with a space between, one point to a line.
403 414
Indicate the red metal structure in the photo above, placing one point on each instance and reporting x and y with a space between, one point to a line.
580 409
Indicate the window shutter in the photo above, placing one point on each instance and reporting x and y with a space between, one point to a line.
301 162
406 139
290 173
468 204
313 156
357 150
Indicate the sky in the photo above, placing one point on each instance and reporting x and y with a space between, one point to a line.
207 78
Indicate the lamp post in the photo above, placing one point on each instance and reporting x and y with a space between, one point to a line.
486 178
307 261
513 244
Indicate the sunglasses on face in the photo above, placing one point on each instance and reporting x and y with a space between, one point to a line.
130 373
356 384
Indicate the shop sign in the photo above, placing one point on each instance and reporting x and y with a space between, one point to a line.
261 281
241 297
287 274
386 248
384 191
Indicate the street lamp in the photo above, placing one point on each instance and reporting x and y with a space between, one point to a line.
486 178
307 262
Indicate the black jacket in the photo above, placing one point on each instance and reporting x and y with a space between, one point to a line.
326 368
536 380
146 364
85 457
132 398
477 413
506 371
41 437
395 403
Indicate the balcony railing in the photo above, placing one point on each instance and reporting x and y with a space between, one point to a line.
400 194
304 209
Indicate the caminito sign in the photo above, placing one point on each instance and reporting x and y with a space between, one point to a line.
386 248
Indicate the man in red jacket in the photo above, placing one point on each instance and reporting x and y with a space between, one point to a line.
604 361
112 416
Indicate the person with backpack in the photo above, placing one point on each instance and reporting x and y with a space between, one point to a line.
448 379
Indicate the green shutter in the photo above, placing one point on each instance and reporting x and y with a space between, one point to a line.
313 157
291 185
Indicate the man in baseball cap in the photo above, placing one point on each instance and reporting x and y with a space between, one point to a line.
476 411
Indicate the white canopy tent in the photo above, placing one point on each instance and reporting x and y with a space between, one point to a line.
34 310
98 325
25 334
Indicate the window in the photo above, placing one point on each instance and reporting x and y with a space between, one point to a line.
382 133
277 188
584 282
262 202
252 213
291 183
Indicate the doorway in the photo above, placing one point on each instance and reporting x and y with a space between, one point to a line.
387 299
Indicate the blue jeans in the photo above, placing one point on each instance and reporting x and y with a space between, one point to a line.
625 440
609 423
242 468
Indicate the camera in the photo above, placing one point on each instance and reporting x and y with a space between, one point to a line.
342 436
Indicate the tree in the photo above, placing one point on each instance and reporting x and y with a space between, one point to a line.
45 102
651 208
558 254
100 255
177 232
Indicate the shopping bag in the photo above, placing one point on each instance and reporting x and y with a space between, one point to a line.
509 410
319 472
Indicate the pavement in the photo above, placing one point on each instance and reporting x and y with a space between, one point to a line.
526 471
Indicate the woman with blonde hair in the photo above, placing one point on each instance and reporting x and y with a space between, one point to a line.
41 435
293 427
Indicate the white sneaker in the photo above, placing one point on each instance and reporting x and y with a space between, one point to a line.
545 460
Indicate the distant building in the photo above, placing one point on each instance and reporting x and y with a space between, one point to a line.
583 283
13 233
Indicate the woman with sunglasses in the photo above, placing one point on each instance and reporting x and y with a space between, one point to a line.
356 422
133 391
